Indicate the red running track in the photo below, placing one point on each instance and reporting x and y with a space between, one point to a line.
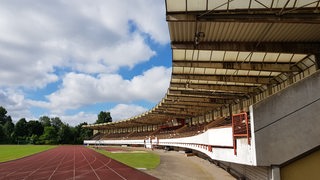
69 162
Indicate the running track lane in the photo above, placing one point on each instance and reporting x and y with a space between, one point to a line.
69 162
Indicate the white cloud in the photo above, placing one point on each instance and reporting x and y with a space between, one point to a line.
76 119
118 112
39 40
124 111
15 104
78 90
89 37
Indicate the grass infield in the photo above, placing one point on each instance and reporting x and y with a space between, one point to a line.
135 159
12 152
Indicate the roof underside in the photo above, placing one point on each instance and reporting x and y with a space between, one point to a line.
224 51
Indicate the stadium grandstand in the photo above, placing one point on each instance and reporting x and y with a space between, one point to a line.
244 89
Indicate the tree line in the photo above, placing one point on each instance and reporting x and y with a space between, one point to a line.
46 130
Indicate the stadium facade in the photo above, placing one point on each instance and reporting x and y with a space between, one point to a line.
244 90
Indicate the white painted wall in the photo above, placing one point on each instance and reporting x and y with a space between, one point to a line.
219 138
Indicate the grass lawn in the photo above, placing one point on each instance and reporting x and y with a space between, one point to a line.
11 152
133 159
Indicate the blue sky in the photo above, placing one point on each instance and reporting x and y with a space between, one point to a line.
73 59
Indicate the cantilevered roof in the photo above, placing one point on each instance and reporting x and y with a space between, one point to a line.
224 51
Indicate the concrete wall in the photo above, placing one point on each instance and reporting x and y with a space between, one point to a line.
287 124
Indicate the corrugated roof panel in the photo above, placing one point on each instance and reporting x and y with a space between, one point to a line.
308 62
217 55
244 56
299 3
196 5
255 4
210 71
293 32
241 73
231 56
182 31
271 57
250 32
238 4
312 32
194 81
204 55
274 73
177 69
217 32
176 5
178 54
198 70
213 4
221 71
201 5
253 73
284 57
231 71
190 54
257 57
298 57
235 29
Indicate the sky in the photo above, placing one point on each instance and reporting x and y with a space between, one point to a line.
74 58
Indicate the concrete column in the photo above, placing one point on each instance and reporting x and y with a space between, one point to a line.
275 173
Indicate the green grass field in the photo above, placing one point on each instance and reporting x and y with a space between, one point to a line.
144 159
11 152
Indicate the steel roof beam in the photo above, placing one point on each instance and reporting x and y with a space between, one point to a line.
257 66
178 93
195 99
172 95
226 88
265 16
226 78
198 92
183 109
192 104
202 104
279 47
176 114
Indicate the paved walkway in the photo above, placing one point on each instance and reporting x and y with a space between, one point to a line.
176 165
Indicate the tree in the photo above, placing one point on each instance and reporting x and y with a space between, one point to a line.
2 135
8 129
49 136
21 128
34 128
56 123
65 134
82 133
45 121
104 117
3 116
